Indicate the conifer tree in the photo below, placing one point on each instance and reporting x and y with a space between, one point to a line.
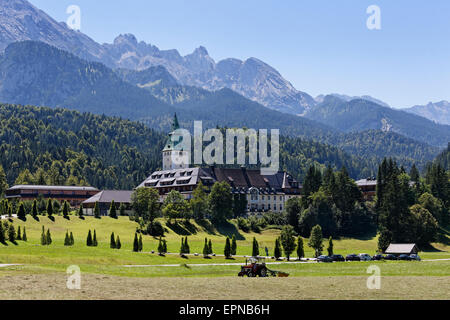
255 249
277 251
233 245
49 208
97 210
11 234
227 250
122 209
330 247
165 246
80 211
66 210
136 243
67 239
141 244
2 234
187 249
43 237
24 235
182 249
210 248
19 236
160 247
34 211
48 237
118 244
21 212
89 239
113 210
72 240
94 239
300 249
112 242
206 249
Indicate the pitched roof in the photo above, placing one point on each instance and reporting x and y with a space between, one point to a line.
405 248
57 188
107 196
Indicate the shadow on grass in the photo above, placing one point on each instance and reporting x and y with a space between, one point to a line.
82 218
36 218
207 226
52 218
183 228
228 229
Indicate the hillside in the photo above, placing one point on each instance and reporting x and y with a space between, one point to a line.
361 115
438 112
67 147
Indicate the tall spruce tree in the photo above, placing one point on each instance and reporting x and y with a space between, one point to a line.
11 234
48 237
136 243
72 240
118 243
94 239
66 209
210 247
80 211
186 246
113 210
43 237
21 212
206 249
255 248
89 239
19 235
67 239
330 247
141 244
2 234
112 242
233 245
300 248
34 210
97 211
277 251
49 208
227 249
24 235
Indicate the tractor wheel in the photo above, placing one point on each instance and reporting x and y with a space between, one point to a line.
251 275
263 273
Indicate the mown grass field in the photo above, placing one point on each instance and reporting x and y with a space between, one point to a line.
40 263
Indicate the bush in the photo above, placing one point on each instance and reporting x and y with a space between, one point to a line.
155 229
243 224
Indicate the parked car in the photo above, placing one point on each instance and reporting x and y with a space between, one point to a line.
324 259
352 257
337 257
378 257
415 257
364 257
390 257
404 257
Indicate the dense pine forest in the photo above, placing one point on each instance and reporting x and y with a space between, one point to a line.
57 146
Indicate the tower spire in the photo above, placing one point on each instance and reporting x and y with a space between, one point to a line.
176 124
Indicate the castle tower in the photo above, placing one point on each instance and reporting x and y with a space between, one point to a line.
173 156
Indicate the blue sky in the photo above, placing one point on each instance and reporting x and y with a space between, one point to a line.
320 46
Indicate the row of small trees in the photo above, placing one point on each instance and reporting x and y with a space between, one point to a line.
8 233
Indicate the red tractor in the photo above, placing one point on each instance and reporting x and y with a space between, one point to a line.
256 267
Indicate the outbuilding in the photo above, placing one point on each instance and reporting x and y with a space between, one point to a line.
402 248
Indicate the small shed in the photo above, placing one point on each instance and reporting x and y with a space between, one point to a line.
402 248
